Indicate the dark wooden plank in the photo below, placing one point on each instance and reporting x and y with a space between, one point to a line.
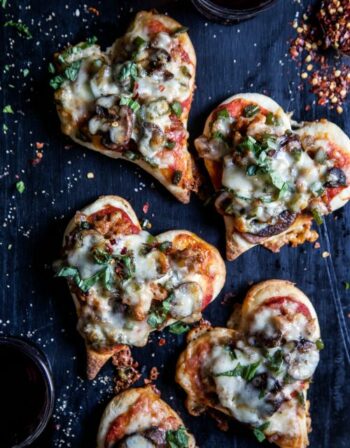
249 56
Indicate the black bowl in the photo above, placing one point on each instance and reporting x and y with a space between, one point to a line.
36 371
227 16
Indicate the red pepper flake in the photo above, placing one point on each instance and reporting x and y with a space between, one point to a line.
145 207
161 342
39 145
329 79
37 159
94 10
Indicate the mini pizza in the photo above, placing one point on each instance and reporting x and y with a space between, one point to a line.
132 101
272 180
257 371
138 418
126 283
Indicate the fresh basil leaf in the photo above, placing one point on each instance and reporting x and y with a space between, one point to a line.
275 362
21 28
89 282
283 190
251 110
68 271
177 438
247 372
223 113
231 351
139 42
8 109
132 104
179 328
101 256
155 320
20 186
165 245
57 81
249 143
259 431
71 72
129 70
271 119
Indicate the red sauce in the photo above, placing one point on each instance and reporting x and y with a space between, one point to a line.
109 211
281 301
332 192
155 27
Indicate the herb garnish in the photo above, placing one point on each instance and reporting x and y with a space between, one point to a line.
177 438
132 104
319 344
104 274
179 328
247 372
275 362
251 110
271 119
223 113
5 128
3 3
259 431
20 186
176 108
8 109
21 28
129 70
160 312
180 30
317 217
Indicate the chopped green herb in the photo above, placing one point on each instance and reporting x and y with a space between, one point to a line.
159 313
271 119
217 135
129 70
319 344
165 245
247 372
270 142
8 109
251 110
130 155
231 351
21 28
90 41
57 81
259 431
317 189
5 128
223 113
275 362
180 30
51 68
177 176
3 3
177 438
139 42
185 71
176 108
283 190
20 186
249 143
101 256
71 72
179 328
25 72
132 104
347 285
85 225
317 217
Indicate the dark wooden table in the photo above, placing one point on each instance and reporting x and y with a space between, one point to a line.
251 56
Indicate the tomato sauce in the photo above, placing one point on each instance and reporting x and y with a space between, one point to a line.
281 301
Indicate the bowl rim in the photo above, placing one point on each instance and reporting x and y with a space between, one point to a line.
34 352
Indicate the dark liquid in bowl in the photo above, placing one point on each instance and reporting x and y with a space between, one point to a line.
23 396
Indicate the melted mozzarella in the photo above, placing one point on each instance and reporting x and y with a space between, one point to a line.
137 441
81 257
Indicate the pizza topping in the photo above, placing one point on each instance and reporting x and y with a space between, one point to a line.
130 96
156 438
260 372
270 174
129 284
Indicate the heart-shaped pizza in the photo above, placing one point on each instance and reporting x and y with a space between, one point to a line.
272 176
138 418
126 283
132 101
259 369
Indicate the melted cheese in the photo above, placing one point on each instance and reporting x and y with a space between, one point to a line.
137 441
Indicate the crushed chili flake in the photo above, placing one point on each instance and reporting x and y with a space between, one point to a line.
94 10
161 342
317 245
38 158
127 369
327 73
39 145
145 207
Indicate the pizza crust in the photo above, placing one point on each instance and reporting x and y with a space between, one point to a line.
201 397
300 231
182 240
149 398
191 177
